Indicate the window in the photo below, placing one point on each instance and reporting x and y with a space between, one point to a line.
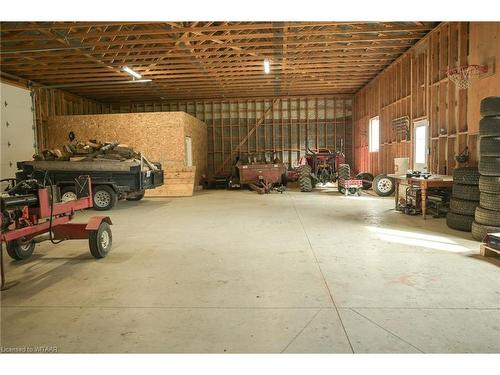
420 145
374 135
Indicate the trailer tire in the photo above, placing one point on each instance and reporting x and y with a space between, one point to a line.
459 222
466 176
68 193
490 106
465 192
104 198
489 126
463 207
384 185
479 231
17 251
100 241
367 180
136 197
305 179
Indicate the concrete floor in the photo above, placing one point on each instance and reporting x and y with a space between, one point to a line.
233 271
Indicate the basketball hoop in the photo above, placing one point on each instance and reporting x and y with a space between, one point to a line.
463 75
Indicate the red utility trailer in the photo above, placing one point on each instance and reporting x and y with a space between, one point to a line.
29 214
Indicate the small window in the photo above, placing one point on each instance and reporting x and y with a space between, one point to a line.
374 135
420 145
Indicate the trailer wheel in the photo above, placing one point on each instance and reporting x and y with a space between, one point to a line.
367 180
104 198
100 241
137 197
384 185
18 250
68 193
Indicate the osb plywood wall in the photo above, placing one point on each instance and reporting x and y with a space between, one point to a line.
160 135
279 124
416 87
484 48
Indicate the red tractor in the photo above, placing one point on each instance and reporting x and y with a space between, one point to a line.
324 166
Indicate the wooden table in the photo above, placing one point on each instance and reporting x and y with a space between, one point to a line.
424 184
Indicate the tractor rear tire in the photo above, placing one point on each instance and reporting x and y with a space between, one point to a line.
305 178
344 171
367 180
384 185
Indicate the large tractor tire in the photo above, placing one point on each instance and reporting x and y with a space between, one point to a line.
344 171
384 185
305 178
367 180
490 106
466 176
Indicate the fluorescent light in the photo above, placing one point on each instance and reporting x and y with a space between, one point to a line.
267 66
133 73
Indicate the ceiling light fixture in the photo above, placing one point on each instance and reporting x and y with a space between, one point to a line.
267 66
133 73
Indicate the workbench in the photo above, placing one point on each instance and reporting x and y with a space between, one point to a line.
424 184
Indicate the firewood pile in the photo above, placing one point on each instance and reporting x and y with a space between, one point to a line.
94 150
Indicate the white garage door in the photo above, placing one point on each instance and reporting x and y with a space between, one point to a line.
17 128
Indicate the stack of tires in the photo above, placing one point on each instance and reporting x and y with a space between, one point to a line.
487 218
464 199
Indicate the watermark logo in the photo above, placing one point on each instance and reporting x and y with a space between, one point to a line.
28 349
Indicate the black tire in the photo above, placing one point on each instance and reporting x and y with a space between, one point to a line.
489 127
19 251
68 193
487 217
489 146
100 241
344 171
490 106
342 190
490 201
284 179
479 231
384 185
466 192
463 207
367 180
104 197
136 197
466 176
305 179
489 184
459 222
489 166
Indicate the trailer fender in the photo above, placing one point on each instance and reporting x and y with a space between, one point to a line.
95 221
